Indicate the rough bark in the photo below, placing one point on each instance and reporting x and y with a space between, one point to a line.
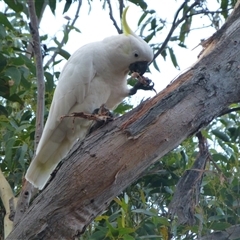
113 157
186 196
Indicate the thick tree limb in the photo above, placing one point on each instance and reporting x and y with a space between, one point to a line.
98 169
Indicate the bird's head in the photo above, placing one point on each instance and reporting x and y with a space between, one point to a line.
127 52
138 51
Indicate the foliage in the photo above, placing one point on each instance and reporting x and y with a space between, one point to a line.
140 212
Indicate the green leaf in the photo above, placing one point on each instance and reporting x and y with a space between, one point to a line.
5 22
224 6
149 37
14 73
220 225
44 37
8 152
140 3
98 235
131 81
219 157
163 220
14 98
52 5
67 5
21 157
17 61
145 24
3 111
173 58
123 107
64 54
65 36
3 62
74 28
145 212
156 65
153 24
15 5
221 135
50 82
128 237
125 230
39 7
29 65
15 76
26 116
164 54
3 33
142 17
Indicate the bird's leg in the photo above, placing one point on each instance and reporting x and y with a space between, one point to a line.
104 117
143 83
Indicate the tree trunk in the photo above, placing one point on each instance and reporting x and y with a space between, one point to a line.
113 157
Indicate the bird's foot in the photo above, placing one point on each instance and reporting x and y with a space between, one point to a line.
104 116
143 83
101 114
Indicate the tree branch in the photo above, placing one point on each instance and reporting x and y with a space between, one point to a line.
121 6
112 18
29 50
39 70
111 158
175 24
186 196
68 30
25 194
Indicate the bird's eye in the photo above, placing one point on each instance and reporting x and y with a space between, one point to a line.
135 55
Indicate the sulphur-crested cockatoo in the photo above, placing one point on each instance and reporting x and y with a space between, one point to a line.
95 74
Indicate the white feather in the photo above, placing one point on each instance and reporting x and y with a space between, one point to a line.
94 75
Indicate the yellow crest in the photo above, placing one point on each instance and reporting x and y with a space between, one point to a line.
126 29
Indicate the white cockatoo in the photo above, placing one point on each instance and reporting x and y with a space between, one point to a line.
94 75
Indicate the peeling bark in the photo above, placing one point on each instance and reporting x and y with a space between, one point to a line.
113 157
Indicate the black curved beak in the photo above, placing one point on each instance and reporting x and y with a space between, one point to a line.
140 67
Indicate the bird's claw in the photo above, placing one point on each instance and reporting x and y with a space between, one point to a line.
103 114
143 83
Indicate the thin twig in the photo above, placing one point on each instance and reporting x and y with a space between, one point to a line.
29 51
206 12
121 6
39 70
68 29
175 24
112 18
